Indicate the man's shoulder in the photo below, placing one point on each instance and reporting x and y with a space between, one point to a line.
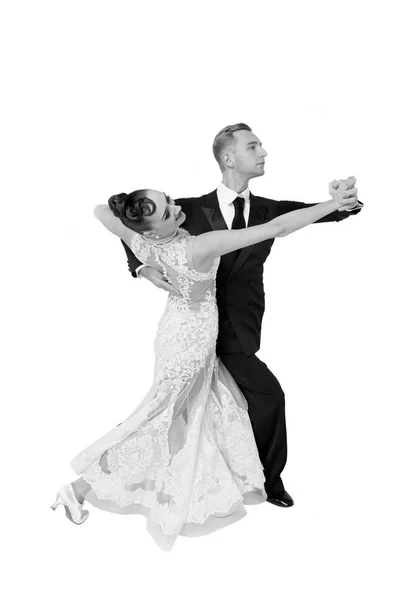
198 201
263 202
261 198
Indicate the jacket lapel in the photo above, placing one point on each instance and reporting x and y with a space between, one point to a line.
257 216
213 212
216 221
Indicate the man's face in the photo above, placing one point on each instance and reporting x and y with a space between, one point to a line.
248 155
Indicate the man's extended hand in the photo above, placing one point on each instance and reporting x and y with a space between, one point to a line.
344 189
158 280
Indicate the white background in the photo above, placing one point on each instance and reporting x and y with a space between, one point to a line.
104 97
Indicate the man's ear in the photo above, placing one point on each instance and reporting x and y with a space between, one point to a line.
228 160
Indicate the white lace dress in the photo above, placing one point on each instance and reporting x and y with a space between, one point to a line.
186 457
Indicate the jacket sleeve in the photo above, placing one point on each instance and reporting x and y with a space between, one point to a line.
133 262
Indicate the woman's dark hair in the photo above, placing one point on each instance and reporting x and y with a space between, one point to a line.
132 209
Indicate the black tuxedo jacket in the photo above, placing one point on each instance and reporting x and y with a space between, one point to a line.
240 289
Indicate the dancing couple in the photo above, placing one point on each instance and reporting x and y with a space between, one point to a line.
210 435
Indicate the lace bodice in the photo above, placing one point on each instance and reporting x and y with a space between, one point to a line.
188 329
174 259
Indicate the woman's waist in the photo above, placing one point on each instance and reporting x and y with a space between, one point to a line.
191 307
189 317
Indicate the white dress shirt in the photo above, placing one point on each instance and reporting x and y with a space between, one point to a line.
226 196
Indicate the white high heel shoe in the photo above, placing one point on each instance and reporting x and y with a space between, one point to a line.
73 508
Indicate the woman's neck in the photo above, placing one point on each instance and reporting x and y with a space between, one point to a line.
158 237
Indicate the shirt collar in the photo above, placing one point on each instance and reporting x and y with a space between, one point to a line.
227 196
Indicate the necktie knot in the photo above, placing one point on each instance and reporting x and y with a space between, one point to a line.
239 204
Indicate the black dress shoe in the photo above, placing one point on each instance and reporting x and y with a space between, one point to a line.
280 499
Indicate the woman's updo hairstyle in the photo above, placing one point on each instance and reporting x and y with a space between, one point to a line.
132 209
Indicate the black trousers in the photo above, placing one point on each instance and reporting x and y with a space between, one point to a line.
266 405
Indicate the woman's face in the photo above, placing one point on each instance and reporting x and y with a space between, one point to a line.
167 217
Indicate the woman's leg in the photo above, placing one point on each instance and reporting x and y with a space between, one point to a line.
266 408
81 489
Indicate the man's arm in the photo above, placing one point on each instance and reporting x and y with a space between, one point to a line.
336 189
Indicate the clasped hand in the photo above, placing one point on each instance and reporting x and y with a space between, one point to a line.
344 192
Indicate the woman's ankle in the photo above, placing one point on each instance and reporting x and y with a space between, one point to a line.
76 491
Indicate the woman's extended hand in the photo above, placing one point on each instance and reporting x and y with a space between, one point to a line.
157 279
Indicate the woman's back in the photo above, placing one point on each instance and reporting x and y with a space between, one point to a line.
188 328
174 259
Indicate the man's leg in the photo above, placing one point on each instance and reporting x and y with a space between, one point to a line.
266 405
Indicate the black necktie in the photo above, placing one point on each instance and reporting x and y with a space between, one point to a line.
238 220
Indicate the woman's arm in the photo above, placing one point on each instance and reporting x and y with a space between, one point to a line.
285 206
344 188
208 246
103 213
113 224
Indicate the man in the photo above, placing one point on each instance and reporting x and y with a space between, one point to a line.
240 291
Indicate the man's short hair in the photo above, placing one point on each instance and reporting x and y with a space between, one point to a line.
225 138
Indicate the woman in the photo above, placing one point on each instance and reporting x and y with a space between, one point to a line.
186 457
